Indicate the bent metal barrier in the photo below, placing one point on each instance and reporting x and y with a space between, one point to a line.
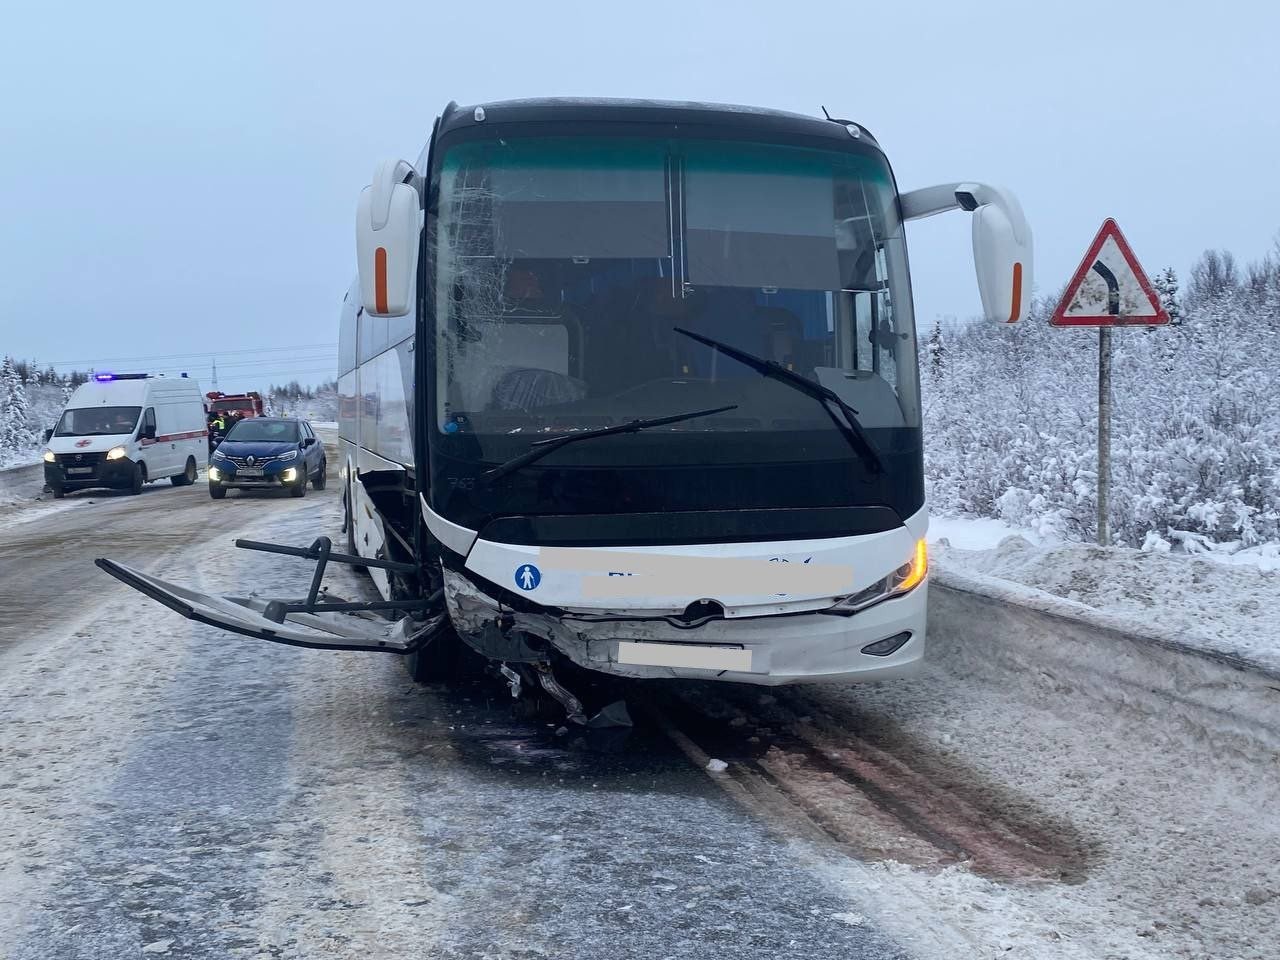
980 624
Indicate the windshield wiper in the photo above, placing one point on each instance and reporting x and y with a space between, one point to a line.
847 419
540 448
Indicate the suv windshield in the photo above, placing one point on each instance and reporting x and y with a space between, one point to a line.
97 421
259 430
564 265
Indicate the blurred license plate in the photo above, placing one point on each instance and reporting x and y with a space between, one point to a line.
684 655
249 472
79 469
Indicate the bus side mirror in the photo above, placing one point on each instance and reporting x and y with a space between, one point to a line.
1001 253
1002 246
388 227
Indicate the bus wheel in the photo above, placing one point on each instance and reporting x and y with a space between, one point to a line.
349 516
445 659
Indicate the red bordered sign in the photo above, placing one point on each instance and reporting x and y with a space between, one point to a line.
1109 288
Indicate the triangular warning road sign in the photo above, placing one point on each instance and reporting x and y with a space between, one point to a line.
1109 289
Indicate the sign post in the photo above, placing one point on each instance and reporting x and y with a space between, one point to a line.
1109 289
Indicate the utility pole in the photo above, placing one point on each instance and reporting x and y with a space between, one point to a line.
215 373
1104 435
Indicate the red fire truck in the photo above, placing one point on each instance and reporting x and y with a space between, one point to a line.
231 408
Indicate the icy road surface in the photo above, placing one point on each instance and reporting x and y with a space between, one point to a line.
170 790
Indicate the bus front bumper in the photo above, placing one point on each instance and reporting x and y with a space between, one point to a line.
765 650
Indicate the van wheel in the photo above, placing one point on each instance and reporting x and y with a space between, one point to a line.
138 479
321 476
58 492
187 477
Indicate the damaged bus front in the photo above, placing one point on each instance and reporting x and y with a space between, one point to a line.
635 385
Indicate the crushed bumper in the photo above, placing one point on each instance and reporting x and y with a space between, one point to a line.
766 650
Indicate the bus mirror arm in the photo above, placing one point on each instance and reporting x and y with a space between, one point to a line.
1002 244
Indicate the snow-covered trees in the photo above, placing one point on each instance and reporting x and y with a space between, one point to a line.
1166 286
936 350
16 435
1011 428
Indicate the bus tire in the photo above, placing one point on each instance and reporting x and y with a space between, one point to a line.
445 659
349 517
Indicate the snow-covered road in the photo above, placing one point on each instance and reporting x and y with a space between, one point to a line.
167 789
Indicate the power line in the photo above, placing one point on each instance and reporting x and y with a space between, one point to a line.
180 367
209 355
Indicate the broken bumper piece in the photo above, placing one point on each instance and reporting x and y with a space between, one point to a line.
322 630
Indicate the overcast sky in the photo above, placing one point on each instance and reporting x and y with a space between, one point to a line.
177 179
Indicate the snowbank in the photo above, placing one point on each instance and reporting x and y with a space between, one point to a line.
1230 608
21 483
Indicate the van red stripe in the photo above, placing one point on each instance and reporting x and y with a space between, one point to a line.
171 437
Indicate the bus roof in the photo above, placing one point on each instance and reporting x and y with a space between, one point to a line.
768 123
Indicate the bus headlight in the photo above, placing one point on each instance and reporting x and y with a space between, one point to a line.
49 457
903 580
116 453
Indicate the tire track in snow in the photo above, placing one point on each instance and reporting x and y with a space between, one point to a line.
871 802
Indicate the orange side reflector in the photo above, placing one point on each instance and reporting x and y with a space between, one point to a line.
1017 292
380 279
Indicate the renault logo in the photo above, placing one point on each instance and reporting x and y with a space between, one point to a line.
249 461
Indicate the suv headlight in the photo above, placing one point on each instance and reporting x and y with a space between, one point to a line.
116 453
49 457
903 580
287 456
218 455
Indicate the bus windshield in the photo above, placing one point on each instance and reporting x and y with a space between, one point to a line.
564 266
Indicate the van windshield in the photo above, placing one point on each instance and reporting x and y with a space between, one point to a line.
97 421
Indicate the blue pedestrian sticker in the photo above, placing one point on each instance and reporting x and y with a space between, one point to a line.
528 576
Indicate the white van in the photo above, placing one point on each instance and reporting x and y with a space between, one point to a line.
122 430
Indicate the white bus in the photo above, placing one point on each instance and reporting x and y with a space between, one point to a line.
634 386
